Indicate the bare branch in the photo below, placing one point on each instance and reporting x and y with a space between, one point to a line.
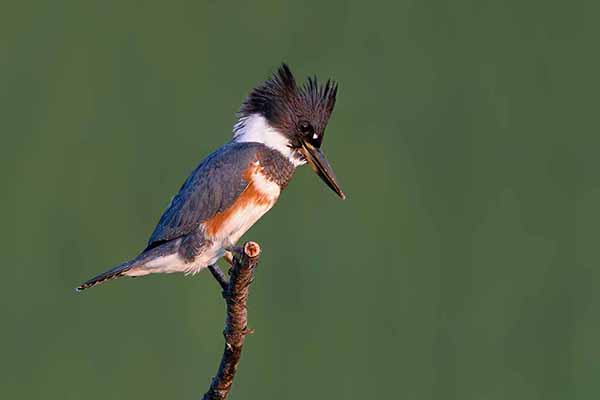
219 276
236 296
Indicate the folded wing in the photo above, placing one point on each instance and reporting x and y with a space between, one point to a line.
211 188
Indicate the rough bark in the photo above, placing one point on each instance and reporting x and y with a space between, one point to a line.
235 293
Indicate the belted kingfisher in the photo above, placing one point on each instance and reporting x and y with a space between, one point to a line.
280 126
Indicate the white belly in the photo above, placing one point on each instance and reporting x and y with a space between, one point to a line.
240 222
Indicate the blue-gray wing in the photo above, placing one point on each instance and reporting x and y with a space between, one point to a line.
211 188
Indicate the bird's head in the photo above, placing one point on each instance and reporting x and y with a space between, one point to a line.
290 119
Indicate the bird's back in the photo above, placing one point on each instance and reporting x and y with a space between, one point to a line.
216 185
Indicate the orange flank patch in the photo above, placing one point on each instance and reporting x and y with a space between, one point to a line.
254 196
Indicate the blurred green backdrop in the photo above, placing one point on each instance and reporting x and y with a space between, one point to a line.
464 264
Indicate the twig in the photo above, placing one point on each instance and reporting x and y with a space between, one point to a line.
236 296
219 276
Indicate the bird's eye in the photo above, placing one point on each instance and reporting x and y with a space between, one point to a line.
305 127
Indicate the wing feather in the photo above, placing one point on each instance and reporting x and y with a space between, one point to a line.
211 188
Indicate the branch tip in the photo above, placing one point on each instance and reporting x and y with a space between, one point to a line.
252 249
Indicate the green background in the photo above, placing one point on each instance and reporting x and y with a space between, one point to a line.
464 264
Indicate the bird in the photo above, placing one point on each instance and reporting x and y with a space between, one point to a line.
280 126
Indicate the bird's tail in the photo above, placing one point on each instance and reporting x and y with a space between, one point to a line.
114 273
157 259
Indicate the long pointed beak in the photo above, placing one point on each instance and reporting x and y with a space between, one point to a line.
316 159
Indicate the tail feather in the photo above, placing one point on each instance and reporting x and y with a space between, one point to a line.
114 273
157 259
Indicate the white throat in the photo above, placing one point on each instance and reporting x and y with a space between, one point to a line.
255 128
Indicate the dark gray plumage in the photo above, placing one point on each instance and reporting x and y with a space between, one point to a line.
210 188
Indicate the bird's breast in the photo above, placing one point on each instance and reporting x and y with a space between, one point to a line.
256 199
